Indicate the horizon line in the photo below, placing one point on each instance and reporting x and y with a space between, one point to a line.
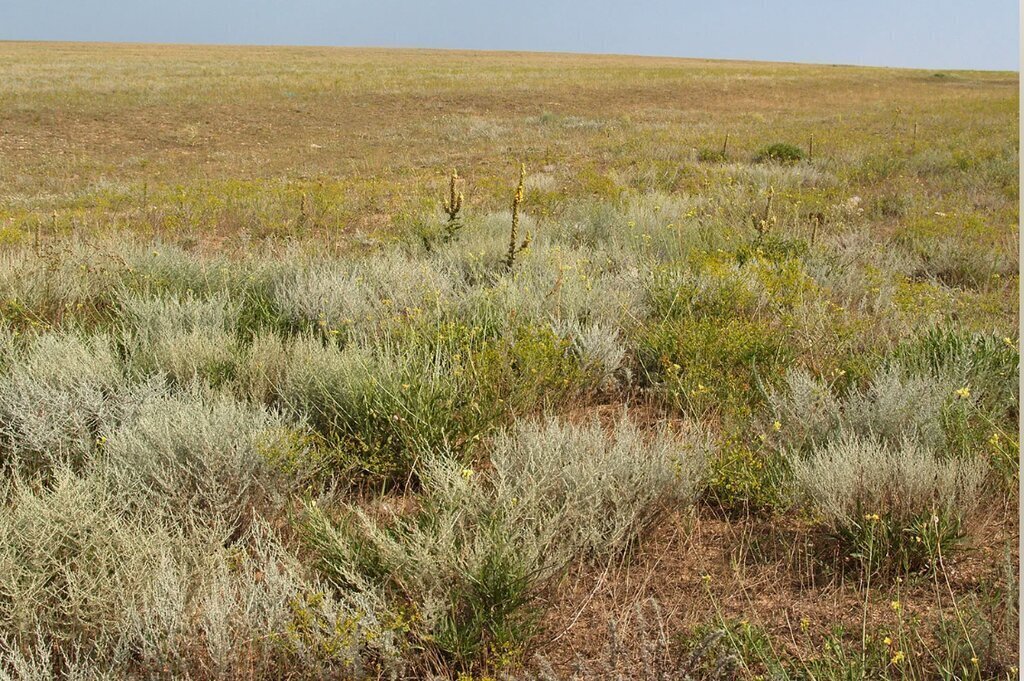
411 48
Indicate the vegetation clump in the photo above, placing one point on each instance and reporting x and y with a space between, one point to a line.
780 152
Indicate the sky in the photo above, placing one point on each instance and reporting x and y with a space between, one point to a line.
967 34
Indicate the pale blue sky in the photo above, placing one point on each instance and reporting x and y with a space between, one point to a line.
977 34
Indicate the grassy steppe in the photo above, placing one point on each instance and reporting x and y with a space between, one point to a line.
730 410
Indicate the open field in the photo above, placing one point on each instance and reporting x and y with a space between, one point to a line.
279 398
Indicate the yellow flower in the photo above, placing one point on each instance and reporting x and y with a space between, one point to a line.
963 393
887 641
994 440
706 579
805 624
895 605
467 473
974 661
898 657
873 517
777 426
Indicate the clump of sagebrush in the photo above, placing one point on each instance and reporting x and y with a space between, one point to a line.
475 556
890 506
90 588
58 392
897 405
601 351
780 152
514 246
183 336
189 452
364 296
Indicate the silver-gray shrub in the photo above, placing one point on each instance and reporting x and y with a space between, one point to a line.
557 492
854 475
894 407
597 490
194 453
212 609
554 283
59 277
70 564
88 591
181 335
385 289
601 351
57 394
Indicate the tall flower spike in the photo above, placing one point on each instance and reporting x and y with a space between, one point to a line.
513 248
453 203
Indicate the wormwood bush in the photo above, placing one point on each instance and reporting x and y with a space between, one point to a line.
607 487
182 336
471 561
557 283
58 282
192 452
164 269
892 507
58 392
214 610
382 291
70 565
92 592
895 406
601 352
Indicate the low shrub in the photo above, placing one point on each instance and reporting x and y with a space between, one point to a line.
93 591
779 152
58 392
181 336
191 452
894 407
891 507
471 561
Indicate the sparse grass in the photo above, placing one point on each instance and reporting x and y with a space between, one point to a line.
270 409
